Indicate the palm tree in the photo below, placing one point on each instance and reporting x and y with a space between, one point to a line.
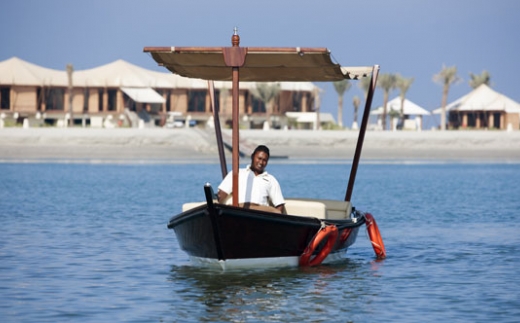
267 92
387 82
341 87
446 77
477 80
356 101
403 84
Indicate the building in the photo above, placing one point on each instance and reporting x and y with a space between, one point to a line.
394 109
483 108
123 94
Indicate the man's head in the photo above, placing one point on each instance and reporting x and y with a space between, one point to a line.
259 159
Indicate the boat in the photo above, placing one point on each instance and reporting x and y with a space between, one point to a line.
310 232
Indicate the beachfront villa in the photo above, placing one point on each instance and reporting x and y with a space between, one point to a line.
483 108
123 94
412 115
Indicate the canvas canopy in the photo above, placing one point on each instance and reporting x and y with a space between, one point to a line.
120 73
483 98
143 95
260 64
15 71
409 108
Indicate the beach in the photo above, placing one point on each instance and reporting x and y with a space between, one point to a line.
196 144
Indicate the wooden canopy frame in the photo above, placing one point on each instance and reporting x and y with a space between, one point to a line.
262 64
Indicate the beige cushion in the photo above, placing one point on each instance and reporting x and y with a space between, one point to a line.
305 208
338 210
191 205
321 209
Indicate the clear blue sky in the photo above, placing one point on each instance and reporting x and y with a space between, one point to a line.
411 37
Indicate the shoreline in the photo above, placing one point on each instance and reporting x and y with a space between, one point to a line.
189 145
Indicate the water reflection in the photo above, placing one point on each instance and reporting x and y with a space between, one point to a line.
266 295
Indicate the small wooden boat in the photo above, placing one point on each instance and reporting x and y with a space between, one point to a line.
311 231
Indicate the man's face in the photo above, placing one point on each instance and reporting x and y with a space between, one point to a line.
259 162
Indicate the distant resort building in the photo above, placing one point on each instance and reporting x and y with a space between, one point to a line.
483 108
412 115
123 94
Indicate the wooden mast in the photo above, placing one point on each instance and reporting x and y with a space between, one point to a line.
362 130
218 131
235 57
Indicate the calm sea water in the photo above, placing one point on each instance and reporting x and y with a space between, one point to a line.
89 243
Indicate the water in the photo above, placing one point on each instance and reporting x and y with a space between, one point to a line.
89 243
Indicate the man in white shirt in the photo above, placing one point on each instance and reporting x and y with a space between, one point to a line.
256 186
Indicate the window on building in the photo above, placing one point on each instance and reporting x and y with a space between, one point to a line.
496 120
472 120
86 94
129 103
258 106
165 94
55 99
112 100
101 93
297 101
197 101
5 98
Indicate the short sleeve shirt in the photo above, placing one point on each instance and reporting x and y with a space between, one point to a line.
254 189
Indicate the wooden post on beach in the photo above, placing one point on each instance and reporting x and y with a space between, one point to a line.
70 69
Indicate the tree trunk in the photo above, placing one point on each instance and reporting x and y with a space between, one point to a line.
340 111
385 102
443 106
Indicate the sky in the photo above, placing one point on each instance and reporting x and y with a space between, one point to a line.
414 38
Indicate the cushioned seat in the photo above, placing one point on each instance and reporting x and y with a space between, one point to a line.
305 208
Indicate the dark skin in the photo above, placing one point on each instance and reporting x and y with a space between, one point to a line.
258 165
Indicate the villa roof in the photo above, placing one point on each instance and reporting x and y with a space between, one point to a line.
409 108
15 71
483 98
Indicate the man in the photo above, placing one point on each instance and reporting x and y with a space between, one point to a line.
256 186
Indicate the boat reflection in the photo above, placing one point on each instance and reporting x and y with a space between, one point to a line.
264 295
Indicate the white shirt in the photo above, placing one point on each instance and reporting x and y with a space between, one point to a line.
254 189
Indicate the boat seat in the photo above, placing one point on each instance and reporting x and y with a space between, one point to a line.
338 210
334 210
311 209
321 209
191 205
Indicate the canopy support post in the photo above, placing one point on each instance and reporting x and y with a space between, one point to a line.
362 130
235 133
235 57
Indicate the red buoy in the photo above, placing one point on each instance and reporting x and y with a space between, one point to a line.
331 233
375 236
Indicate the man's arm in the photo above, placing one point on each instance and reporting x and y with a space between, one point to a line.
280 207
221 195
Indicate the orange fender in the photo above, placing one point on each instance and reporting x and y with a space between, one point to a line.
375 236
331 233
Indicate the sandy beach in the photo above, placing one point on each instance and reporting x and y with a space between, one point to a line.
198 145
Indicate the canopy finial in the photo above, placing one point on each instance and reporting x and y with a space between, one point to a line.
235 39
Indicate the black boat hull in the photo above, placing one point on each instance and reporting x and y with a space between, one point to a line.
222 233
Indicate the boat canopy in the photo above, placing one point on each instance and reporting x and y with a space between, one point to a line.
261 64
